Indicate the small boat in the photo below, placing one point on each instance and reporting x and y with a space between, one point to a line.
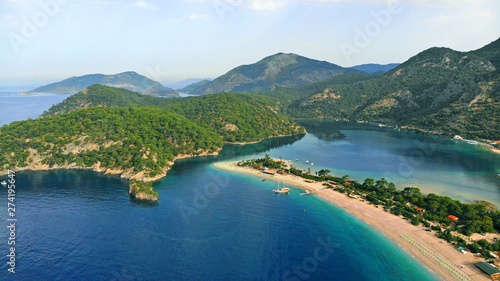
4 183
308 192
264 180
284 190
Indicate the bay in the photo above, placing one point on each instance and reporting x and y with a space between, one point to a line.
80 225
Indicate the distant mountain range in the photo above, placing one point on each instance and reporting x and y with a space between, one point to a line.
127 80
184 83
438 91
373 68
188 89
288 70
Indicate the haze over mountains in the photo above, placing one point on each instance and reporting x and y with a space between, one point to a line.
288 70
439 91
191 87
285 70
373 68
127 80
178 86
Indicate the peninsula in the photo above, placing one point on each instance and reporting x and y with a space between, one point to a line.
139 137
412 220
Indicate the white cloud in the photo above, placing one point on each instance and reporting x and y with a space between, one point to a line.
196 16
265 4
276 4
143 5
104 3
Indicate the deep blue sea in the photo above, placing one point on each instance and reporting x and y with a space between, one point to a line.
17 108
215 225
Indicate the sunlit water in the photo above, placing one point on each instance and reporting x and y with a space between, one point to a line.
216 225
17 108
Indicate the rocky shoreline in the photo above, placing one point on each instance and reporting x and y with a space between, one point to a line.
128 174
148 195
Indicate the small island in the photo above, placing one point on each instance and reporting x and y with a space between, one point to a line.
143 191
27 94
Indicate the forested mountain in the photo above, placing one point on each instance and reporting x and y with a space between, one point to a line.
237 117
137 136
139 143
439 90
191 87
288 70
127 80
373 67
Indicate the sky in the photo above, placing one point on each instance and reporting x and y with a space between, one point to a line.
45 41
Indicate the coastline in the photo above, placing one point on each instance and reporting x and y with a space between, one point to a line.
398 230
128 174
407 129
254 142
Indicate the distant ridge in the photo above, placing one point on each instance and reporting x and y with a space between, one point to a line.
127 80
286 70
372 67
191 87
186 83
438 91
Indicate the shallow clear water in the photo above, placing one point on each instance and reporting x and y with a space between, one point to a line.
79 225
215 225
455 169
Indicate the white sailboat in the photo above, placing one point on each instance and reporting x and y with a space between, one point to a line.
284 190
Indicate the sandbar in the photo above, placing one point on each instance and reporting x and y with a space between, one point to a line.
435 254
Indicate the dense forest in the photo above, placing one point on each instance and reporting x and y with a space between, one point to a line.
237 117
142 139
117 129
439 91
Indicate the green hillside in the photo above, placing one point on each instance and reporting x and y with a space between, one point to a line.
286 70
440 91
237 117
127 139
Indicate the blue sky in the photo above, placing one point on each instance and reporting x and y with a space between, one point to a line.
49 40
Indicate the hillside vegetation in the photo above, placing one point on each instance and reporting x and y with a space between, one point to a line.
130 140
238 118
439 91
286 70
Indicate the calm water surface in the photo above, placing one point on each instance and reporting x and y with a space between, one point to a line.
17 108
80 225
